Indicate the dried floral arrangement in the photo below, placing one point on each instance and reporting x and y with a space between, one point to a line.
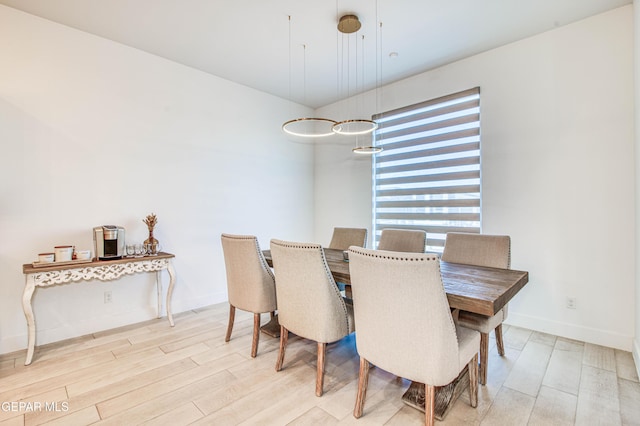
151 221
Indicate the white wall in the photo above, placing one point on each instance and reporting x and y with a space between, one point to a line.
636 14
93 132
557 170
343 191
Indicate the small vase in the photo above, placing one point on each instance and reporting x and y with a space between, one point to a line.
151 244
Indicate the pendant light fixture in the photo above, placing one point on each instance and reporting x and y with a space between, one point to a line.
350 24
315 127
306 127
309 127
373 148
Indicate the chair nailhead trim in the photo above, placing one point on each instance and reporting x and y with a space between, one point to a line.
409 259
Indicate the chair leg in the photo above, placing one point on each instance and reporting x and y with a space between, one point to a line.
484 357
256 335
284 336
232 316
473 380
363 382
499 341
347 291
429 405
322 350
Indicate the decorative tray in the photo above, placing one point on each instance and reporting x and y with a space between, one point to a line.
69 262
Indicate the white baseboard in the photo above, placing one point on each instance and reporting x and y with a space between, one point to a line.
595 336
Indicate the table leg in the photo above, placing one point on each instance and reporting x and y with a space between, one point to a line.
446 395
272 328
159 291
172 281
27 294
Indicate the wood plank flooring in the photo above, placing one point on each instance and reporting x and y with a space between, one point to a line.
152 374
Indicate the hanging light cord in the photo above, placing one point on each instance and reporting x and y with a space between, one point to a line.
289 58
306 127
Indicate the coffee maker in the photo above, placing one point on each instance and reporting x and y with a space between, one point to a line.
108 242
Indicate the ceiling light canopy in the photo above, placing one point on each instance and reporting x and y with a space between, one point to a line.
349 24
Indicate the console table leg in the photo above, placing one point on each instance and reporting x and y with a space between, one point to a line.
172 281
159 291
27 294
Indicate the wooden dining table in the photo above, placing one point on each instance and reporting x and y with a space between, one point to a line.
476 289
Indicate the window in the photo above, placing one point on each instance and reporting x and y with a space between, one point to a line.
428 175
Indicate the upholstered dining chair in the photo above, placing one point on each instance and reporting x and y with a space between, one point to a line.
405 240
309 302
343 238
493 251
250 282
408 332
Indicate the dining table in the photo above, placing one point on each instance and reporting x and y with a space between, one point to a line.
470 288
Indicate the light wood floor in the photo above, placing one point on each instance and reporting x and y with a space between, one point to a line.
152 374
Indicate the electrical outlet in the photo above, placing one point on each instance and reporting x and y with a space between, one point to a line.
571 303
107 297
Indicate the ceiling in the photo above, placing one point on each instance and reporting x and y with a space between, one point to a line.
305 59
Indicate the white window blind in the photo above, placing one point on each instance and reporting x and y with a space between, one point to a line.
428 175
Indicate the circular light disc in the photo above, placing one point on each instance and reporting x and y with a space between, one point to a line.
309 127
367 149
355 127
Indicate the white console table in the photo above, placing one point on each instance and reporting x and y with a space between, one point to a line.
103 270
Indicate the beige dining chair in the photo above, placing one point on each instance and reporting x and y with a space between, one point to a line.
404 240
343 238
408 332
493 251
309 302
250 282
